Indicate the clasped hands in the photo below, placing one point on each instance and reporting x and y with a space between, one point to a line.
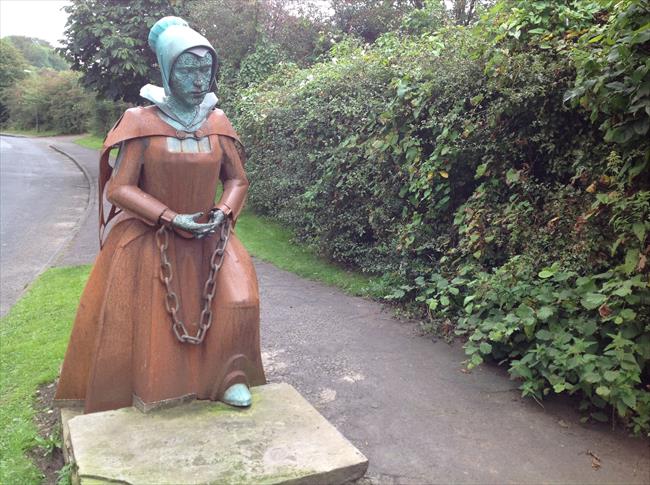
188 222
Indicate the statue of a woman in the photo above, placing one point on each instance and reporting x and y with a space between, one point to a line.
171 309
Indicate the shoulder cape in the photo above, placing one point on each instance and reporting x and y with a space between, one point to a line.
143 122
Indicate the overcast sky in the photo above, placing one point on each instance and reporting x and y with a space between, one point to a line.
33 18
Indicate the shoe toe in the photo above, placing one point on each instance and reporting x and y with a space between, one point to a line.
237 395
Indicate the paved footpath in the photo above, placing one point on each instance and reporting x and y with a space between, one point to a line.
403 399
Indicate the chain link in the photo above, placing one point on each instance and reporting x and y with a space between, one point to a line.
172 302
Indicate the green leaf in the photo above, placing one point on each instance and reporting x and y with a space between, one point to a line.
544 334
545 312
524 312
559 387
512 176
545 273
610 375
476 360
629 399
628 314
476 100
591 301
631 260
468 299
595 39
639 231
603 391
485 348
480 170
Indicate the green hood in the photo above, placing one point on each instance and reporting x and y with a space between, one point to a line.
169 38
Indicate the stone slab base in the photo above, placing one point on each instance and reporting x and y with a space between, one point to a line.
280 439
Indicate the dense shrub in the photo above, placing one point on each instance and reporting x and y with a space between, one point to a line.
12 70
49 100
450 163
104 114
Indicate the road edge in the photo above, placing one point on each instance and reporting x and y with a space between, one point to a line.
92 194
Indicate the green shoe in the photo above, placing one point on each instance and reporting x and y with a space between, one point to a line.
237 395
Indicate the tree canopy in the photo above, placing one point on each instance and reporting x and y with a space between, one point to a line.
12 69
107 42
38 52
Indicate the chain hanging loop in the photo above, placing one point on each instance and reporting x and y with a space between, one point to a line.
172 302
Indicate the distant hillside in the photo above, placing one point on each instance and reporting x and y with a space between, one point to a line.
37 52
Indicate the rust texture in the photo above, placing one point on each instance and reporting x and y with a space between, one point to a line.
122 347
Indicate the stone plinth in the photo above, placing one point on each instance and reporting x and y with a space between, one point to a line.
281 438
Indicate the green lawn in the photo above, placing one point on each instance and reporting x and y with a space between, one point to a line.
269 241
34 335
91 141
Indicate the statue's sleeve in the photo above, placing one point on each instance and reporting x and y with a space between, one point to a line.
123 190
233 177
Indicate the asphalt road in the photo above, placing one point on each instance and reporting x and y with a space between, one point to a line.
43 196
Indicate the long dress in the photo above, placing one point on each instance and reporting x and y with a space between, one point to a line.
122 350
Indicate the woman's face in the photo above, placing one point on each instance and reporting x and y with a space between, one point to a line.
190 78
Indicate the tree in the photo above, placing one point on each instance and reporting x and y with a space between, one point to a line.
49 100
38 52
369 19
106 40
236 27
464 11
12 69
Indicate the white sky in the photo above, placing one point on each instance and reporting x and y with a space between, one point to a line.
44 19
33 18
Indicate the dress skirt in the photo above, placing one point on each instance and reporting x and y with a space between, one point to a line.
123 351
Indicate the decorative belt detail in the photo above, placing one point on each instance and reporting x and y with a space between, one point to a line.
172 301
181 135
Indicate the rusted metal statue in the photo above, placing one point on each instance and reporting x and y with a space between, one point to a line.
171 309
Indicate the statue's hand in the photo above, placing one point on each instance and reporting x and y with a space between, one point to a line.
187 222
217 217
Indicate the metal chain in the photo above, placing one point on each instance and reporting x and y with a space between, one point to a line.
172 302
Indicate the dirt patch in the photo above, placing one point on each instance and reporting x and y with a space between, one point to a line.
48 455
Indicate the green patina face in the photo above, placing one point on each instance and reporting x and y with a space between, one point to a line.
191 77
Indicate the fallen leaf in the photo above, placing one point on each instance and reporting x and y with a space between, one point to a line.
563 423
551 223
595 460
465 371
604 310
592 188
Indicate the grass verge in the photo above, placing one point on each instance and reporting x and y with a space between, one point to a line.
269 241
93 142
33 339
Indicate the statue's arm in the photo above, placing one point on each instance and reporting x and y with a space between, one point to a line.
123 190
233 177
